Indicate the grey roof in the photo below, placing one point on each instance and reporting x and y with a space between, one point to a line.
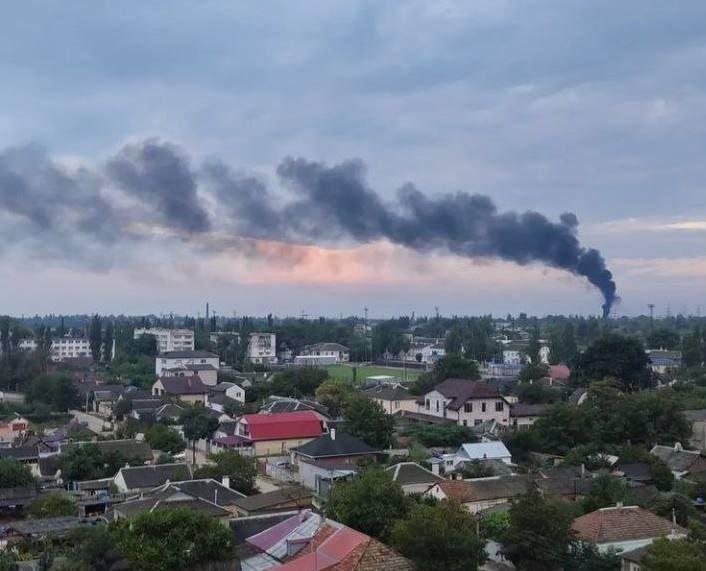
635 471
169 410
17 496
389 393
39 527
326 347
20 453
695 415
272 500
206 489
247 526
523 409
183 385
406 473
575 396
680 460
133 508
326 446
142 477
285 404
188 355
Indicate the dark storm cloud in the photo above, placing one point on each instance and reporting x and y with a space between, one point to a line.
159 174
326 204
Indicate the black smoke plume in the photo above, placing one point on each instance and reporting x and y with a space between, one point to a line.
324 204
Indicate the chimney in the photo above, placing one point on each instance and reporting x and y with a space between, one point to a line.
333 434
678 447
226 481
619 505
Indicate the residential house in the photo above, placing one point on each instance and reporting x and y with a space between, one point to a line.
329 457
181 360
143 478
559 374
169 412
278 405
273 434
663 362
624 528
146 408
279 500
414 478
231 390
307 541
262 348
681 462
523 415
206 372
423 351
27 455
17 497
493 450
636 473
169 339
323 354
392 399
466 402
190 390
13 427
515 352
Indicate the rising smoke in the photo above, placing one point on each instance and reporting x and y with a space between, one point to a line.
153 184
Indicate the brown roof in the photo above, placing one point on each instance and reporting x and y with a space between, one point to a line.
465 491
461 390
523 409
184 385
628 523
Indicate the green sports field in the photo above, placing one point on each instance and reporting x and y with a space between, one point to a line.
346 372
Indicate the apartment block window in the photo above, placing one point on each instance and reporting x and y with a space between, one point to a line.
468 407
499 406
482 407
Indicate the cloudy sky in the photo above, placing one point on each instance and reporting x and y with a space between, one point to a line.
157 155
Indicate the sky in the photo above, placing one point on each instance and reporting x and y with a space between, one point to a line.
260 156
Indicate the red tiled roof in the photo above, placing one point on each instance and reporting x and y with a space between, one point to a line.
559 372
283 426
628 523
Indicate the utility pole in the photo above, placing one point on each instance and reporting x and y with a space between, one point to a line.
365 333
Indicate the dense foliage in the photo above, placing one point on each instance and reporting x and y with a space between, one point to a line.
51 505
163 438
14 475
240 469
367 420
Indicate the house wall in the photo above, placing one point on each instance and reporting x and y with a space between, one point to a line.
162 363
236 393
392 407
437 407
523 422
169 339
416 488
277 447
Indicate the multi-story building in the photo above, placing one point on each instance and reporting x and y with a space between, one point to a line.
172 362
335 351
169 339
466 402
67 347
262 348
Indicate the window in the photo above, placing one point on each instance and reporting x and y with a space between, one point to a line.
437 406
465 423
499 406
426 404
468 407
482 407
397 404
477 421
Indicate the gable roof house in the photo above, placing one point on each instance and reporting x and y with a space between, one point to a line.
413 478
697 419
523 415
483 451
143 478
273 434
189 389
681 462
279 500
624 528
662 361
392 399
466 402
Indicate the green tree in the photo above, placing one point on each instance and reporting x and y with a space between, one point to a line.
534 346
173 539
618 357
371 502
298 382
14 475
83 462
606 490
333 394
240 469
539 534
448 435
693 348
562 344
663 338
108 337
455 367
95 337
586 557
165 439
367 420
54 389
8 561
441 537
197 423
677 555
51 505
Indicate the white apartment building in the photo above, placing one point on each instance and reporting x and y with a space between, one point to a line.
339 353
262 348
169 339
69 347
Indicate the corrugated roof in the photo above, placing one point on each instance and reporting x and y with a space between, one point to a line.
287 425
328 446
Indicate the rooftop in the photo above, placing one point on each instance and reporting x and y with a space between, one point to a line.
407 473
336 443
142 477
615 524
188 355
183 385
461 390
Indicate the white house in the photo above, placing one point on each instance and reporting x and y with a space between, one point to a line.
339 353
424 352
262 348
169 339
187 361
515 353
494 450
466 402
